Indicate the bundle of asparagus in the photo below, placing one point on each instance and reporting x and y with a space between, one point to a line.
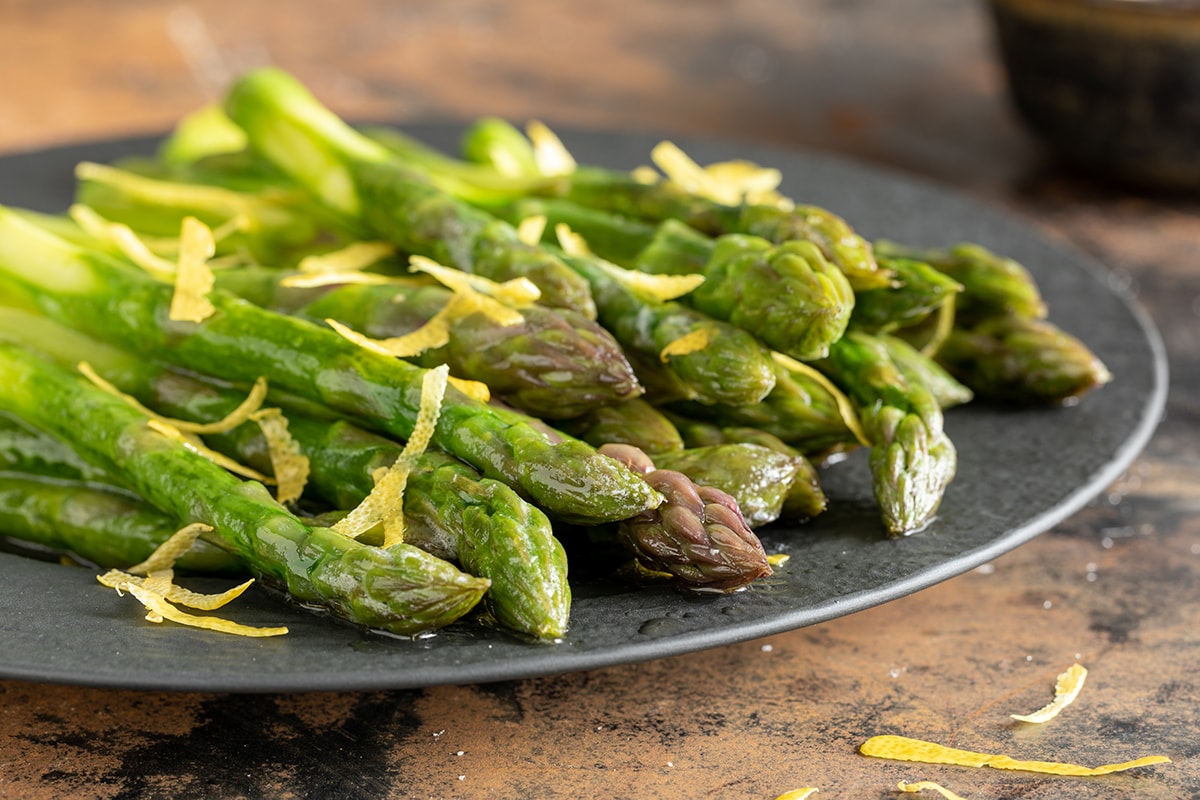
451 362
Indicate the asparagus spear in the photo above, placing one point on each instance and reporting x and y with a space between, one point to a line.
99 526
401 589
623 194
921 370
96 294
698 535
554 363
916 292
1013 358
912 460
286 125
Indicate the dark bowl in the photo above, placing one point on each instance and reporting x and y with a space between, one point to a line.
1111 86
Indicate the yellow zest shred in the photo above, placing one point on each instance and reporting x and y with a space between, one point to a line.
290 466
657 288
798 794
385 503
645 174
518 292
778 559
689 343
433 334
902 748
157 591
551 156
920 786
354 257
193 278
530 229
243 412
727 182
476 390
124 239
194 444
845 407
1066 689
317 279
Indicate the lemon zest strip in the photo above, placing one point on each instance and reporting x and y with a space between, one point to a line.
354 257
689 343
289 465
124 239
799 794
918 786
1066 689
316 279
550 154
902 748
193 278
243 412
194 444
530 229
658 288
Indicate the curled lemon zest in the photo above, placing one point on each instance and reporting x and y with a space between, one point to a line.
517 292
530 229
193 278
645 174
656 288
845 407
233 419
290 467
385 503
689 343
193 443
778 559
476 390
551 156
726 182
354 257
124 239
1066 689
919 786
157 591
902 748
433 334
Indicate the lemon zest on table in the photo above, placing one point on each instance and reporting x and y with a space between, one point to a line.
902 748
920 786
1066 689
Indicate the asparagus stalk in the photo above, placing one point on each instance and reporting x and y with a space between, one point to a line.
917 291
91 292
287 126
554 363
99 526
401 589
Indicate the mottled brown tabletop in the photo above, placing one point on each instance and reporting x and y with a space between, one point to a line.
912 85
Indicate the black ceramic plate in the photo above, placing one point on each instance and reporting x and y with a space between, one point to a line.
1020 473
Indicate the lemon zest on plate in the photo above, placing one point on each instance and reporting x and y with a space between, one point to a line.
289 465
193 278
233 419
656 288
549 153
354 257
193 443
385 503
689 343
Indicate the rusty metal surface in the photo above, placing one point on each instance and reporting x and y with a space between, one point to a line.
910 84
